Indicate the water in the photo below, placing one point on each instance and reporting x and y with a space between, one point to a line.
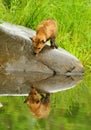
70 109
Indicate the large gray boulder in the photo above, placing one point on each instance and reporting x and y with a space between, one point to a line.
16 53
51 70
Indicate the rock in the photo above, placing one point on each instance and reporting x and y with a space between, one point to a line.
16 54
51 70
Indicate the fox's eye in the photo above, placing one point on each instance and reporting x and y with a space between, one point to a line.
34 93
37 101
43 41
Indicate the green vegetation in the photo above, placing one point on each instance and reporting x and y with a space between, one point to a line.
70 109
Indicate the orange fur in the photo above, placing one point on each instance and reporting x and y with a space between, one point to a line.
40 107
45 31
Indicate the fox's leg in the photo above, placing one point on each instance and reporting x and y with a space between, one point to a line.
53 44
46 99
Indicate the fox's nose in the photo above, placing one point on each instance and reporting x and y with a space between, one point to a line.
34 53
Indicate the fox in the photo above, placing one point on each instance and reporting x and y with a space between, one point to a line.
47 30
38 103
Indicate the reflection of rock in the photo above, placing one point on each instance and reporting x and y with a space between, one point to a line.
19 83
57 83
16 54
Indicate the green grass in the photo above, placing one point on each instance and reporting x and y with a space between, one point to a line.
74 35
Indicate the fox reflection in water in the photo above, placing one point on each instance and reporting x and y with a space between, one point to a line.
39 103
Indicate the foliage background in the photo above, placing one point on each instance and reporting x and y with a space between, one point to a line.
70 109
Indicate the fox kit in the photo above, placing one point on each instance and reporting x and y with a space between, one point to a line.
39 104
45 31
